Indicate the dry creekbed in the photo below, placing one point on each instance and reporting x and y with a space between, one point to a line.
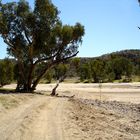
112 115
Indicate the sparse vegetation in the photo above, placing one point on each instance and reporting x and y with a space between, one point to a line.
121 66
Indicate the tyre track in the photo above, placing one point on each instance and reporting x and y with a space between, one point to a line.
41 118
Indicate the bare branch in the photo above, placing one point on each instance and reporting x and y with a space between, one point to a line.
50 66
66 58
25 32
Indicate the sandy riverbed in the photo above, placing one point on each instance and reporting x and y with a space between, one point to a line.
114 114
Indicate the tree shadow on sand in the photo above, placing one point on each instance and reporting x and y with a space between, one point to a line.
7 91
64 96
13 91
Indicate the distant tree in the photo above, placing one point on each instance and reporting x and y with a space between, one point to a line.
76 62
137 68
85 72
6 72
74 67
97 70
120 66
110 77
49 76
61 70
109 71
35 36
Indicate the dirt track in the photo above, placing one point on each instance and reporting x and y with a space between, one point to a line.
41 117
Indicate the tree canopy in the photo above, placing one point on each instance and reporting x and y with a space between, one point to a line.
37 35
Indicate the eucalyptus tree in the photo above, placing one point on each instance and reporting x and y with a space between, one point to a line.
97 70
85 72
37 35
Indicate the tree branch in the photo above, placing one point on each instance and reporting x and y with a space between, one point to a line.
66 58
47 58
50 66
43 59
29 41
9 44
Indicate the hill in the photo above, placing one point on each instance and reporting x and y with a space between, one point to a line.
133 55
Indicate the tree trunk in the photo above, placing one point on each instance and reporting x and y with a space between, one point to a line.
54 89
35 83
25 80
38 79
30 77
56 86
24 88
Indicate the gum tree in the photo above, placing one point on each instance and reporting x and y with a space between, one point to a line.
35 36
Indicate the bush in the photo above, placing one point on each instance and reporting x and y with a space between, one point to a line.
111 77
6 72
49 76
126 80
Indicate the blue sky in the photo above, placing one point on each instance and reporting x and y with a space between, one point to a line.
110 25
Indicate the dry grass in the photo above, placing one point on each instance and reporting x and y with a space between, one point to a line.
8 101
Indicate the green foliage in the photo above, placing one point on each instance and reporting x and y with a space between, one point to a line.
6 72
106 69
137 70
110 77
85 72
74 67
49 75
61 70
97 70
36 36
121 66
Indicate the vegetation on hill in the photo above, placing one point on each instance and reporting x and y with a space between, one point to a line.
122 66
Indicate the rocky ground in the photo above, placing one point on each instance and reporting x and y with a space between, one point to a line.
109 120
